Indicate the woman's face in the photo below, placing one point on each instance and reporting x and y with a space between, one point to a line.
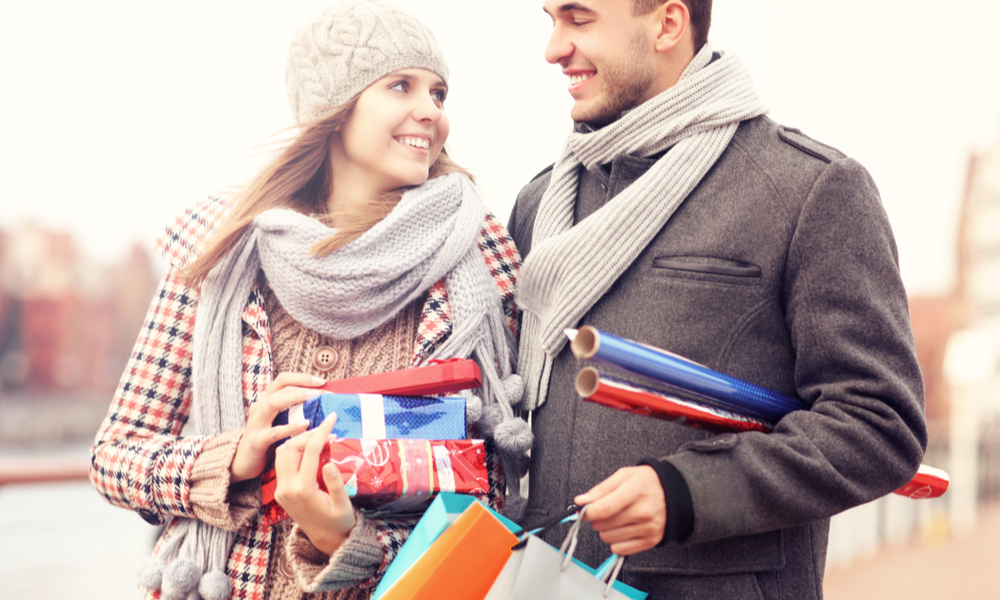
394 134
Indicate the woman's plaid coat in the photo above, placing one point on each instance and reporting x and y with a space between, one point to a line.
141 462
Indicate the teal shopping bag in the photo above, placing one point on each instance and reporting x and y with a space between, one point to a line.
442 512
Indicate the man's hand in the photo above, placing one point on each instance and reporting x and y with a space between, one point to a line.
628 509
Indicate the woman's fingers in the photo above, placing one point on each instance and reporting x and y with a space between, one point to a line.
315 440
287 390
263 412
293 379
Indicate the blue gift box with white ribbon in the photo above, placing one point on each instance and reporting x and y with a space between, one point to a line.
374 416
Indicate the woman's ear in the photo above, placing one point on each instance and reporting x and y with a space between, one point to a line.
673 25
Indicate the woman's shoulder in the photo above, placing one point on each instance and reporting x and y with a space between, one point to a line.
187 234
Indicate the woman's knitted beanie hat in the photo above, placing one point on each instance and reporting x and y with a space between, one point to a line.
350 46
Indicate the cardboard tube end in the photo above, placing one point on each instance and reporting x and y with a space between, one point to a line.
587 382
586 343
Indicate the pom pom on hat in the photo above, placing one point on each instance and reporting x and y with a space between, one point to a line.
513 435
350 46
215 585
151 573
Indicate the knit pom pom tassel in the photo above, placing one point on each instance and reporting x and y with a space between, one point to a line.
180 578
215 585
151 573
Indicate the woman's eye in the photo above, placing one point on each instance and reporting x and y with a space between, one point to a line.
399 86
439 95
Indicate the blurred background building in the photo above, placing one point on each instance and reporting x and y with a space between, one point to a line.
67 325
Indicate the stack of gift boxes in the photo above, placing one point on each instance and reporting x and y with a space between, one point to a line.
395 452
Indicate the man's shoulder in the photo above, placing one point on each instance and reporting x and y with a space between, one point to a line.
522 218
533 190
772 141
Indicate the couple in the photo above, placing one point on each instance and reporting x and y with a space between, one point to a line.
676 215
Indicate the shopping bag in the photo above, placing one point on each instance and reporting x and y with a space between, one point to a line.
538 571
455 551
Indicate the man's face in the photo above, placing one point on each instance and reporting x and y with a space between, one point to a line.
607 54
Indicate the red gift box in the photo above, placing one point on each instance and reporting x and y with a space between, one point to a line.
393 476
438 377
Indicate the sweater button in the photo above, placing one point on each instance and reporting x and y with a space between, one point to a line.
325 358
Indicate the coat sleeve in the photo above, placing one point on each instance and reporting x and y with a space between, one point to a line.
855 364
139 460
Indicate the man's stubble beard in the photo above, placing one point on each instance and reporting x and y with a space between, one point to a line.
624 82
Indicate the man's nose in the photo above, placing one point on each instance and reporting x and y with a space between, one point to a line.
559 47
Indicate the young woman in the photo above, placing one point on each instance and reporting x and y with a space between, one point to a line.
360 248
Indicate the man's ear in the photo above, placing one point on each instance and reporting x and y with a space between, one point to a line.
673 23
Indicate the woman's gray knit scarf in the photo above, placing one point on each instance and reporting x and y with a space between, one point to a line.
571 267
430 235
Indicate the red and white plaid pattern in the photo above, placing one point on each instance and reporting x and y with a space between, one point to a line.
141 462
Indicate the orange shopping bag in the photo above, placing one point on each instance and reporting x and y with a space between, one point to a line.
461 564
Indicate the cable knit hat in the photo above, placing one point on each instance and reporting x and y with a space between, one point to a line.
350 46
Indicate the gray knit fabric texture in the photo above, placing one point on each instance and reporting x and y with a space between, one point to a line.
571 266
350 46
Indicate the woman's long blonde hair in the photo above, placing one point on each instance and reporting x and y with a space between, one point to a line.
300 177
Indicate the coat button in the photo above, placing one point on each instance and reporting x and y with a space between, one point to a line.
150 517
325 358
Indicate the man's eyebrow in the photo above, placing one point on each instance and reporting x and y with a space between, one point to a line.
569 6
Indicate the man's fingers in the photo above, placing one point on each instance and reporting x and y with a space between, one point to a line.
631 531
600 490
632 546
608 506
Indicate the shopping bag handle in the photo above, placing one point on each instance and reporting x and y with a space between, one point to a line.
569 543
608 571
571 513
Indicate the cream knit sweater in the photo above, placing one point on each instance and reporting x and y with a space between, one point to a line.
297 569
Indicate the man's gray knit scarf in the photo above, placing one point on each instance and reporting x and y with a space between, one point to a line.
571 267
430 235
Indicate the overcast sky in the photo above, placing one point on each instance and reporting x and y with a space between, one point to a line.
115 115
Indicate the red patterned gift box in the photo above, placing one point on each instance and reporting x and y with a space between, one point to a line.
395 475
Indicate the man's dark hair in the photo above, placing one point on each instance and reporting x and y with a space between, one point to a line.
701 16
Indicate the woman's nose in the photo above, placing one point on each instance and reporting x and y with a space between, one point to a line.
428 110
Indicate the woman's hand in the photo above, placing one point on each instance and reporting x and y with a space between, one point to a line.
325 517
287 390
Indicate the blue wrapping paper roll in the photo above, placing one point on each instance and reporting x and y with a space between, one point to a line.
396 417
682 375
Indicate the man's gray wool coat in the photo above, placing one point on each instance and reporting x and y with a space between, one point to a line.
809 303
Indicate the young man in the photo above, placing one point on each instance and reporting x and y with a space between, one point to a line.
679 216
